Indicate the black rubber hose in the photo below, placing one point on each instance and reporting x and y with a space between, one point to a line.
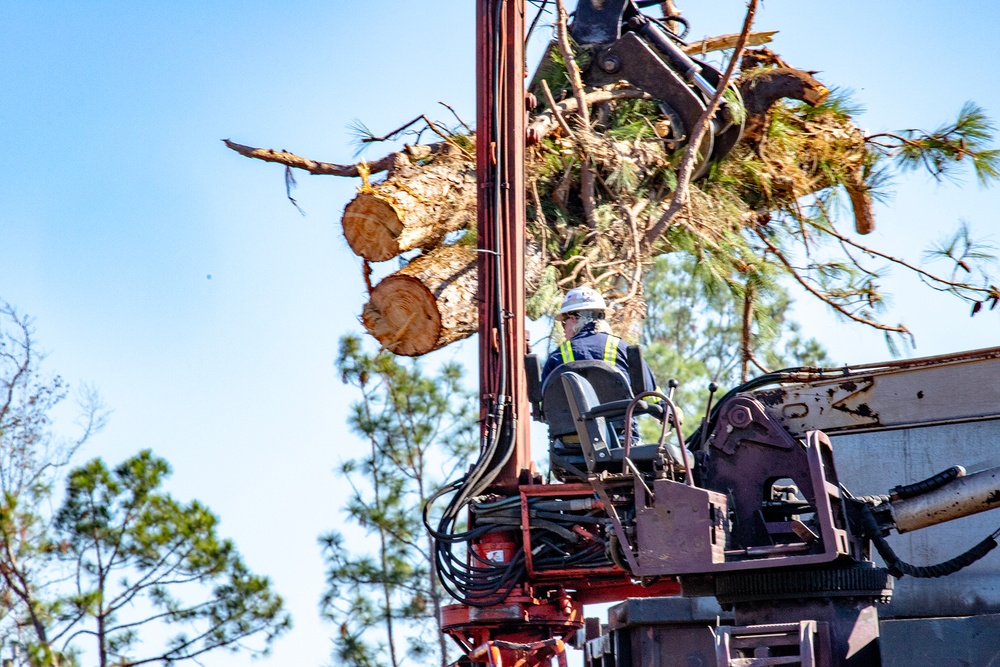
898 568
936 482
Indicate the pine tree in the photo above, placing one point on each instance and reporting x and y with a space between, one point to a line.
419 429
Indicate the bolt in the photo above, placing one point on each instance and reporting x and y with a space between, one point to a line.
740 416
611 64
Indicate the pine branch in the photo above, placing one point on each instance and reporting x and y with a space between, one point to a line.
689 161
317 168
825 298
954 286
939 151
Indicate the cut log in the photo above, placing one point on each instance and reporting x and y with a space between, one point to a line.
427 304
416 207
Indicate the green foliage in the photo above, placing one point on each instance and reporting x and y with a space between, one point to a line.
142 560
31 459
948 148
119 556
633 119
693 331
770 212
419 429
546 297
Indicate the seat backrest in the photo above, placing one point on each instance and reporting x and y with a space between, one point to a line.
609 384
591 431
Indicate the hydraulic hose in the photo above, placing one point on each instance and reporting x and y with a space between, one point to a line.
898 568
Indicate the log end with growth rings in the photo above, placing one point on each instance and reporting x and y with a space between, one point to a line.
403 316
372 225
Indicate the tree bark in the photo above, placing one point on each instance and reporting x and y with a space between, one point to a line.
861 204
415 207
726 42
315 167
426 305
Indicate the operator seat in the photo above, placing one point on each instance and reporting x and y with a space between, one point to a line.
584 403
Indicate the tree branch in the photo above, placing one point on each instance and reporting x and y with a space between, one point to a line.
583 112
547 121
386 163
895 260
688 163
900 329
722 42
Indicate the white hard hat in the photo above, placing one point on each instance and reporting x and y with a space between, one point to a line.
582 298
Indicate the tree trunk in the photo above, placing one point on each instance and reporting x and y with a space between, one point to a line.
416 207
426 305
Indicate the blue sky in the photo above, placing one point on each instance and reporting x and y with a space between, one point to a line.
173 275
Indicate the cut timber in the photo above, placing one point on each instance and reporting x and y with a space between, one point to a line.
427 304
416 207
727 42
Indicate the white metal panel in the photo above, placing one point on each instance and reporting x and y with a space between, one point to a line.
873 463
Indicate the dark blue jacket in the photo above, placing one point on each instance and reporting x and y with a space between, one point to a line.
594 345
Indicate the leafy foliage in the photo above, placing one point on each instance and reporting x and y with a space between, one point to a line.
945 150
770 212
32 456
419 429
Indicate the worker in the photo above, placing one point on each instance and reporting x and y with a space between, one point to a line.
588 335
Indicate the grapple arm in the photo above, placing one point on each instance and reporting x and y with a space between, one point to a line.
627 45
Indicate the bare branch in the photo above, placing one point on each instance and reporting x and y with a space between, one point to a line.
457 117
729 41
900 329
985 291
386 163
583 112
545 123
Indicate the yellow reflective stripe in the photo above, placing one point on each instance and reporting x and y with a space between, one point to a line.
611 349
655 399
566 350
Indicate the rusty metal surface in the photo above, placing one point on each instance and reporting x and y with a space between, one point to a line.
682 532
500 162
915 392
961 497
590 585
661 611
665 632
521 620
749 454
658 632
784 642
852 624
872 463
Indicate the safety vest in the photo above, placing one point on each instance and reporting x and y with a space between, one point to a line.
610 356
610 350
